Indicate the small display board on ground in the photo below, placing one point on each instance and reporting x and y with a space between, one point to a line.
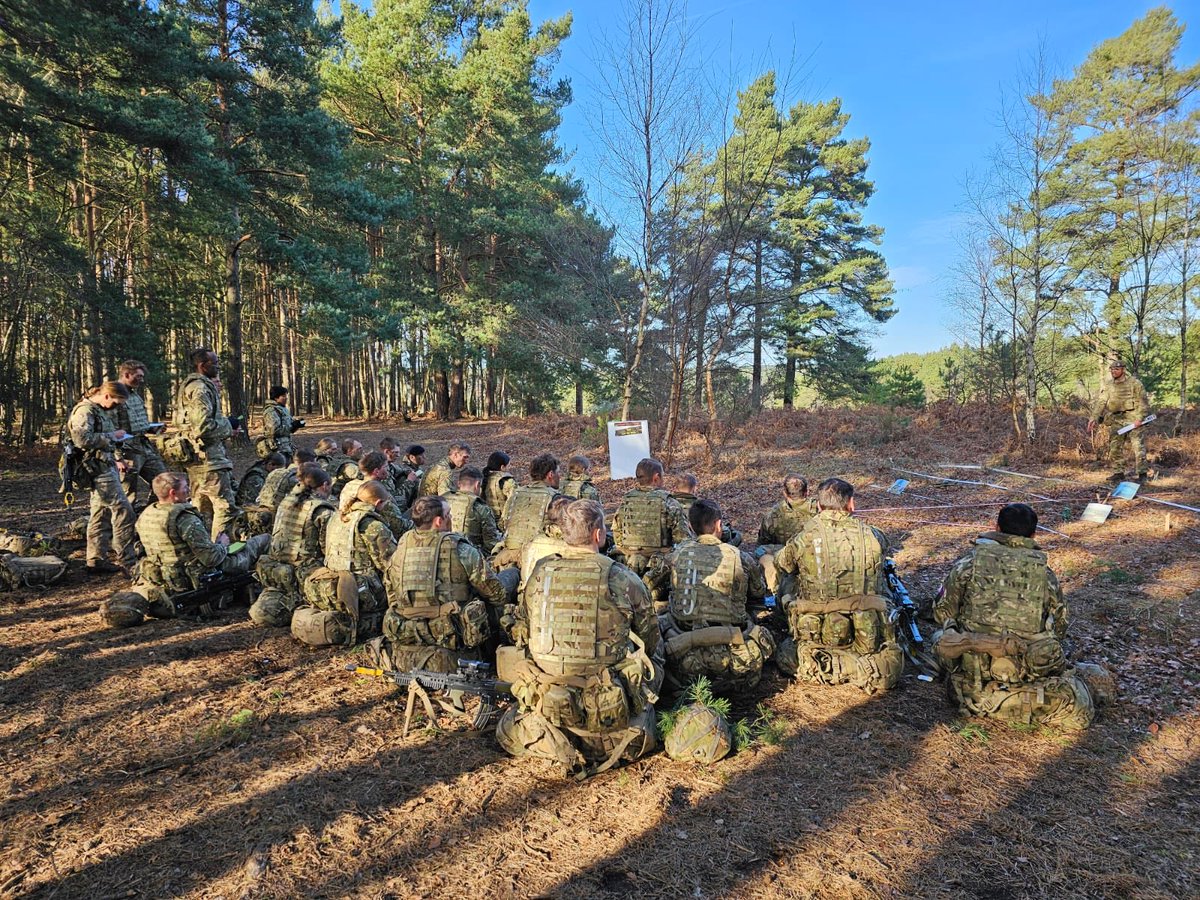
1096 512
628 445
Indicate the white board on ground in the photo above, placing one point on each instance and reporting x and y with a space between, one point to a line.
1096 513
628 445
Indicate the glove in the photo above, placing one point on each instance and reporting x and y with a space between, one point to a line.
297 424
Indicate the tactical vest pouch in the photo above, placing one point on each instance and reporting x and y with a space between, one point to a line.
562 706
473 624
605 707
868 632
278 575
836 630
322 627
806 627
643 521
175 449
1044 656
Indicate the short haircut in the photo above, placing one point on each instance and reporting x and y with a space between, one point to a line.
542 465
302 456
277 391
558 506
426 509
497 460
275 459
834 493
647 469
324 445
312 475
389 443
199 356
415 450
116 389
703 516
129 366
1019 519
580 519
165 482
578 466
795 486
465 473
372 461
350 446
689 481
458 445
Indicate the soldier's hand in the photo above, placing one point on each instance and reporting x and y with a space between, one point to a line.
223 539
412 476
120 434
124 465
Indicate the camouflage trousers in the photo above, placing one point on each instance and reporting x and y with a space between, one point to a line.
1063 701
110 520
1121 445
212 494
730 667
819 664
524 732
144 465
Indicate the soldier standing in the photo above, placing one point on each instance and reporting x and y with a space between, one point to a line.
198 406
141 458
278 426
90 430
1122 401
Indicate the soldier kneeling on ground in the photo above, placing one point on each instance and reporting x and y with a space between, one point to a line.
684 490
297 548
1003 620
783 521
707 629
582 678
257 519
180 556
836 599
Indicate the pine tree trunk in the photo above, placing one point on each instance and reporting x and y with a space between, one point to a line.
756 369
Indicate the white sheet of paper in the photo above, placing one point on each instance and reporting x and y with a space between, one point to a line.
628 445
1096 512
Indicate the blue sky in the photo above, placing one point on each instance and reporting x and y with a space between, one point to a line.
922 80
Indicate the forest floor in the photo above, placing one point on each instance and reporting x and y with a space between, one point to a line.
217 759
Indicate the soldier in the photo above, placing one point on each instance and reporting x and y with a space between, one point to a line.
707 629
399 477
783 521
578 485
439 591
583 681
837 606
498 484
343 465
91 431
344 601
685 487
252 482
525 513
198 406
649 523
280 482
471 516
1122 401
550 540
297 547
178 547
326 453
141 457
278 426
437 479
1003 620
374 467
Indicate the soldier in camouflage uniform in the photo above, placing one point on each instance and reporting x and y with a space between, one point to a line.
649 523
278 426
374 467
91 431
838 608
198 407
343 465
685 487
140 456
344 600
1003 620
783 521
472 517
401 480
179 549
439 590
1122 401
550 540
280 482
583 679
498 484
297 547
524 515
707 630
255 477
578 485
326 453
437 480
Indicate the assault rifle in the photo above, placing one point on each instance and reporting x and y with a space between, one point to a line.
905 616
210 596
67 466
472 677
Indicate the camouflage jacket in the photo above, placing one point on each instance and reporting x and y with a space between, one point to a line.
665 569
785 520
90 429
277 428
198 406
464 565
835 556
1122 401
437 480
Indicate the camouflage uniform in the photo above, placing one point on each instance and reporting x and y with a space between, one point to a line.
497 487
139 454
277 430
584 685
1004 586
90 430
439 590
252 483
649 523
473 519
402 490
179 550
437 480
729 534
277 485
297 549
524 519
198 406
706 629
547 543
396 521
581 489
1123 403
837 605
783 521
342 470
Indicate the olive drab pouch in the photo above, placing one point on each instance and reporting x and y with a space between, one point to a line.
836 630
562 706
1044 656
278 575
868 632
322 627
30 571
320 589
806 627
175 449
473 624
605 706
